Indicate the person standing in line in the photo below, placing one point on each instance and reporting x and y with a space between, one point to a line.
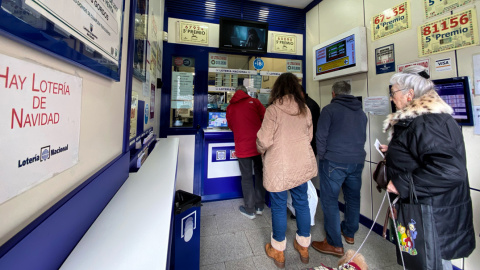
244 118
289 162
426 147
341 136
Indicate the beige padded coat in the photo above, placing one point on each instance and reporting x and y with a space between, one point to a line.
284 142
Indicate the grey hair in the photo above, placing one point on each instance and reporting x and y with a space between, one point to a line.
409 79
241 87
341 88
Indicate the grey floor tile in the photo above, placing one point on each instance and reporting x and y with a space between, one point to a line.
215 208
208 226
224 247
235 221
239 241
217 266
241 264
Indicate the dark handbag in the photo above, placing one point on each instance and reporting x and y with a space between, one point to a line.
380 175
417 238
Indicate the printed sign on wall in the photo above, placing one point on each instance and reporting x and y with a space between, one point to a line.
391 21
193 33
97 23
436 7
284 43
294 65
40 124
218 60
385 59
449 33
424 63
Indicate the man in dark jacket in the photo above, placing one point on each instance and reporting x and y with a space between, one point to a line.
244 118
341 136
315 110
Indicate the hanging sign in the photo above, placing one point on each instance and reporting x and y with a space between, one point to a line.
218 60
233 71
284 43
39 124
391 21
436 7
449 33
294 65
182 86
424 63
95 22
385 59
193 33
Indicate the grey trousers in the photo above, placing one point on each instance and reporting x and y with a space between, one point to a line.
253 192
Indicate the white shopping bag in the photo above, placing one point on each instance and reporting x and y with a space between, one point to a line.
312 202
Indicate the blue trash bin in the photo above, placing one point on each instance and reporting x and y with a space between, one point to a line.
186 246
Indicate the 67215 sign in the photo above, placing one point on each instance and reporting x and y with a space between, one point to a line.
450 33
391 21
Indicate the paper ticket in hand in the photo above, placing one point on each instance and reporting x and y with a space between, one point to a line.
377 146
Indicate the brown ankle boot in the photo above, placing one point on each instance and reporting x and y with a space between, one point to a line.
302 250
277 256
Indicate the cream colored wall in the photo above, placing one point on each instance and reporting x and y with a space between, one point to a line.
101 136
329 19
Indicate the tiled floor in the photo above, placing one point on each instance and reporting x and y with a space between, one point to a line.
231 241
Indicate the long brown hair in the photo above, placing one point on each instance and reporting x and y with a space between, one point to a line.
287 84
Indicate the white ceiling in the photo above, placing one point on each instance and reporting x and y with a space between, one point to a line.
288 3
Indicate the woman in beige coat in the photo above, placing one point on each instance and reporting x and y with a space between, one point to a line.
288 163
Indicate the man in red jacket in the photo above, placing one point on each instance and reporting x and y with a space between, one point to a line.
244 118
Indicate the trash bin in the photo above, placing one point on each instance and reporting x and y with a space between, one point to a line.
186 245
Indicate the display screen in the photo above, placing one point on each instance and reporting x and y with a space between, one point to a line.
336 56
456 93
245 36
217 119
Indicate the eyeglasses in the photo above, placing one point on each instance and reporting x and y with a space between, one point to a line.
393 93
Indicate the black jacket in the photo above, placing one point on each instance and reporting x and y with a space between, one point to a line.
341 131
427 145
315 110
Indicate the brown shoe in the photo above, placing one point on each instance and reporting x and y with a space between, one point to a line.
302 250
325 247
277 256
349 240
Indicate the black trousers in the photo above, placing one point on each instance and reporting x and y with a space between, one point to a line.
253 191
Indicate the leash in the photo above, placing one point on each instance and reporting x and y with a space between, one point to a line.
373 224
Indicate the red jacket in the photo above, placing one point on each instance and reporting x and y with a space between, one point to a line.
244 118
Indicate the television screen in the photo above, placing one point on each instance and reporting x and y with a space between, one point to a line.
456 93
342 55
243 36
217 119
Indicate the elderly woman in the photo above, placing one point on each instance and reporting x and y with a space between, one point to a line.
288 164
426 145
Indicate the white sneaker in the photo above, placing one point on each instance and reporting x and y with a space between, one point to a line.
259 211
244 212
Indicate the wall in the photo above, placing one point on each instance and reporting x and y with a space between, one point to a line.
354 13
101 135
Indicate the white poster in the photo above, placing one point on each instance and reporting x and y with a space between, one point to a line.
182 86
294 65
218 60
39 124
424 63
95 22
377 105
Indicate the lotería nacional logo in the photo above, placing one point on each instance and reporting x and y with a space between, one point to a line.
45 153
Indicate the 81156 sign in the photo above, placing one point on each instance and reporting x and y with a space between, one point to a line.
391 21
450 33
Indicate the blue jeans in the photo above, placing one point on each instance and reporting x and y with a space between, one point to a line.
333 176
279 212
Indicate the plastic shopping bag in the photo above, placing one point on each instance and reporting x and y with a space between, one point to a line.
312 202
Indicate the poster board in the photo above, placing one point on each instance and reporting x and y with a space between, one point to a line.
79 32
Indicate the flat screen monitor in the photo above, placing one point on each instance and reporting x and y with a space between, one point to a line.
342 55
217 120
243 36
455 92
